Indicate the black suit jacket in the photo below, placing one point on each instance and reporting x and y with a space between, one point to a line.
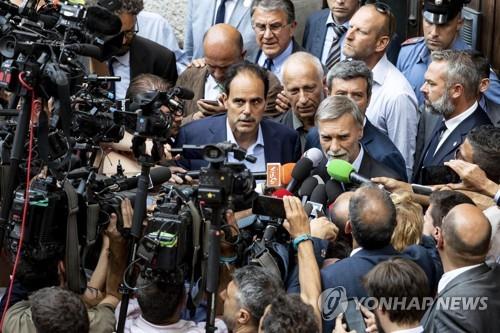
480 284
447 150
147 56
281 144
376 143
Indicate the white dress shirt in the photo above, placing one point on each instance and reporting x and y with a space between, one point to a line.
329 39
212 89
121 68
418 329
393 109
256 150
230 4
277 67
448 276
453 123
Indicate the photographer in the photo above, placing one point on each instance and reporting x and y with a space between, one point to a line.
101 318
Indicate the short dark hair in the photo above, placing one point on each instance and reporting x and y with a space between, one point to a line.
57 310
485 142
288 314
285 5
133 7
443 201
481 61
373 217
146 82
403 281
159 299
257 287
348 70
246 67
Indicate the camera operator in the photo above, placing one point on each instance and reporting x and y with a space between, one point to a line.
101 318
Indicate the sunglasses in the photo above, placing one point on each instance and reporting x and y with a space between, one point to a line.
385 9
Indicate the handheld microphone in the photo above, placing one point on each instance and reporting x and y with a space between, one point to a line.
286 173
182 93
158 176
307 188
280 193
344 172
318 199
315 155
333 190
300 172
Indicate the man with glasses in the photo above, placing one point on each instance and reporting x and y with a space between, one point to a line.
138 55
274 24
441 24
393 105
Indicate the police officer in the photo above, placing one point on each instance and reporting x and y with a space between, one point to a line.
441 25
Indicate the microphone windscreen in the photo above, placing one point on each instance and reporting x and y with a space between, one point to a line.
315 155
160 175
339 170
280 193
318 195
286 173
183 93
333 190
302 169
103 21
307 187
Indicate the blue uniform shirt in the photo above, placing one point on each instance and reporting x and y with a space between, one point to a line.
414 58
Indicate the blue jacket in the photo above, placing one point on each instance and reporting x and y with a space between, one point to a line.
281 144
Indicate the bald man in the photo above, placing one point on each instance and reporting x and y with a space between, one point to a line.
223 47
305 88
469 287
339 214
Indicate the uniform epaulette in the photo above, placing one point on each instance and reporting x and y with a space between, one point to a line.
413 40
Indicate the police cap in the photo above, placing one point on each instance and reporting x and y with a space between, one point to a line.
442 11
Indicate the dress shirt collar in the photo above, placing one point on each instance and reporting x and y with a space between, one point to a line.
380 70
330 20
230 137
418 329
297 123
357 162
124 60
280 59
452 123
356 250
449 276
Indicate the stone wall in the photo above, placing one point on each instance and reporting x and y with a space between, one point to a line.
175 12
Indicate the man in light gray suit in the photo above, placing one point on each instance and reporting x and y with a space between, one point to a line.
468 298
201 15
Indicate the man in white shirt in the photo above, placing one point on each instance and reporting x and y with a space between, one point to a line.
393 105
468 297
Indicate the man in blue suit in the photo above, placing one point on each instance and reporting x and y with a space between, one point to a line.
372 219
325 30
451 91
201 15
354 79
246 88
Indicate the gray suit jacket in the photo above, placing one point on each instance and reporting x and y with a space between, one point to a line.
481 285
194 79
200 16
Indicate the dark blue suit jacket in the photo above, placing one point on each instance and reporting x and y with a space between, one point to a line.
349 272
376 143
281 144
315 32
447 150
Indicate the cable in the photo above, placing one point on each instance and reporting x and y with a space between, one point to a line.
34 106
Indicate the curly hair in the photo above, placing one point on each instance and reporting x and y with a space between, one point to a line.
485 142
410 221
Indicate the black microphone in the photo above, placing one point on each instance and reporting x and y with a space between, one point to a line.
318 199
333 190
182 93
158 176
300 171
307 188
102 21
86 50
195 174
49 21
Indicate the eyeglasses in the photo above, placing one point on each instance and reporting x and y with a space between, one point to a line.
385 9
275 28
129 34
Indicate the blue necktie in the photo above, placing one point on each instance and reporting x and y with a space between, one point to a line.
268 64
221 12
429 157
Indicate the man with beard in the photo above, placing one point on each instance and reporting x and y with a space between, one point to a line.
450 90
245 90
303 80
138 55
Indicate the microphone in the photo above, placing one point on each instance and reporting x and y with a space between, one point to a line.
300 172
280 193
86 50
182 93
307 188
344 172
102 21
315 155
158 176
318 199
333 190
286 173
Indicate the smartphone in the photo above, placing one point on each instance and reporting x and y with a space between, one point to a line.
268 206
439 174
353 316
210 102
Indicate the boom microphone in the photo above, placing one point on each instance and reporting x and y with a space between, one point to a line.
344 172
86 50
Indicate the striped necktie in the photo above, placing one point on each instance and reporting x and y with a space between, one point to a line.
334 53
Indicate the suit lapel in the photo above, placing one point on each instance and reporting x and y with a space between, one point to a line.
272 152
467 275
426 146
239 12
320 35
218 130
368 133
199 82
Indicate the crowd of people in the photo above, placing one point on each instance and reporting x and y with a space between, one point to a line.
414 248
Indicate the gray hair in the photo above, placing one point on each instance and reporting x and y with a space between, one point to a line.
284 5
334 107
461 69
348 70
304 57
256 289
